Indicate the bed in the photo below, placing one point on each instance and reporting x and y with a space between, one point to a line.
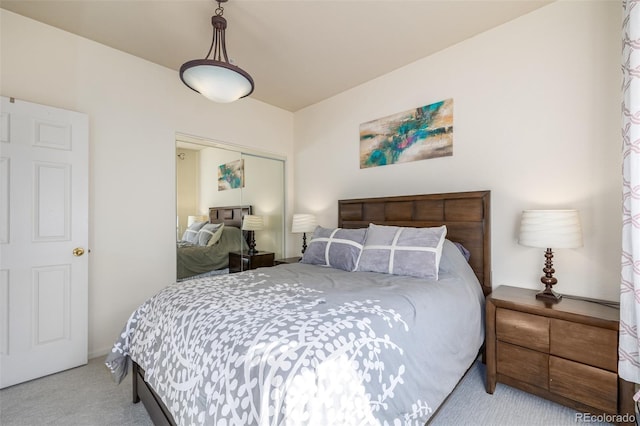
205 246
311 344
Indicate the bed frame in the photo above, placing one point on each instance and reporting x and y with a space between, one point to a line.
229 215
466 215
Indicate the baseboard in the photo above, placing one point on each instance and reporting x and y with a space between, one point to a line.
98 354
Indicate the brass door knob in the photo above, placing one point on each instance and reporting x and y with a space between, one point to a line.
78 251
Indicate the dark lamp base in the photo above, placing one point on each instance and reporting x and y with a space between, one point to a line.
252 243
549 295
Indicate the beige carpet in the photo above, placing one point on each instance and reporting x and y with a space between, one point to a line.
82 396
87 396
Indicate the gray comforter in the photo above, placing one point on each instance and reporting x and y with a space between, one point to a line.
302 344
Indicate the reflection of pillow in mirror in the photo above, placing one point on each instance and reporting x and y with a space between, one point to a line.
206 232
216 235
191 233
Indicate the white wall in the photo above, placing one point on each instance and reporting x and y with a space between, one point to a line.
187 187
536 121
135 109
210 159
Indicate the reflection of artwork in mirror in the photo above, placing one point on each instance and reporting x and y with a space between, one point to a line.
231 175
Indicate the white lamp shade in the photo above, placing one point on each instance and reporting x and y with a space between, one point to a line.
199 218
550 229
252 222
303 223
217 83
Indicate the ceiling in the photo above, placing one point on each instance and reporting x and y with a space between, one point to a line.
298 52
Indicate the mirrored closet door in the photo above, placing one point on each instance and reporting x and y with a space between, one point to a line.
220 183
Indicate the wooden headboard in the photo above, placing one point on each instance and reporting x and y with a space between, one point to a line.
229 215
467 216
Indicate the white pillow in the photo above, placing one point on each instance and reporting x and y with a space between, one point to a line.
216 235
206 232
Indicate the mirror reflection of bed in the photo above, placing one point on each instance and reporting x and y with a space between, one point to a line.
203 250
198 192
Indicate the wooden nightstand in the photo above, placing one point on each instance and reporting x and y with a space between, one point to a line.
242 261
566 352
288 260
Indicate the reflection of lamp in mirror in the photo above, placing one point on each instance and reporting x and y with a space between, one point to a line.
550 229
303 223
193 219
251 223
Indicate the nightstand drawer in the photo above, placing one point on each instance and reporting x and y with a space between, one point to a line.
589 385
584 343
523 364
530 331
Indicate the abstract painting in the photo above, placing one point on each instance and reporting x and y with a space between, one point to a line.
231 175
416 134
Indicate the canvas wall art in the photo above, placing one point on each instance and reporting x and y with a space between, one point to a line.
416 134
231 175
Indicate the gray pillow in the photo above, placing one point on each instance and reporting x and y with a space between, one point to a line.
452 256
338 248
414 252
206 232
191 233
466 253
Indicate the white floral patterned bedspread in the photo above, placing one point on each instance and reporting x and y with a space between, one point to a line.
303 345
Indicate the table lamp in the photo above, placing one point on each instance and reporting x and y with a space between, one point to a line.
252 223
198 218
303 223
550 229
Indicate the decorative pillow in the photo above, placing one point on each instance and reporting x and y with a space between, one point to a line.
338 248
466 253
216 235
206 232
452 257
191 233
415 252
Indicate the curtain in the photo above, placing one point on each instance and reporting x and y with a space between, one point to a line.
629 356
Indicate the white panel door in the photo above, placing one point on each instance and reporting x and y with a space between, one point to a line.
43 240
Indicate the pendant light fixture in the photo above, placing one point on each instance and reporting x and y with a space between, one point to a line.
216 78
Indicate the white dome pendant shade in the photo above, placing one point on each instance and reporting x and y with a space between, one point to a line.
216 81
216 78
